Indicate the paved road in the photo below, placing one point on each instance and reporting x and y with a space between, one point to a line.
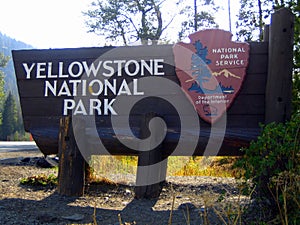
17 146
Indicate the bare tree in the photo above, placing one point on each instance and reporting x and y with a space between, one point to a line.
198 19
128 21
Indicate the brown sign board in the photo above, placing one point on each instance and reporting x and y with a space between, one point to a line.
89 81
212 70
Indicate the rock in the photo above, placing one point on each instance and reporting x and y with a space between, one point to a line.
43 163
74 217
125 203
26 160
53 161
127 192
202 209
188 205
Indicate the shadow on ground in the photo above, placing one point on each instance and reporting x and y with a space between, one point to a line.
56 209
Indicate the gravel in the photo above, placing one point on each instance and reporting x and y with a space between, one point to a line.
186 198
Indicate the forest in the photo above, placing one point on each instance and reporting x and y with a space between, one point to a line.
11 124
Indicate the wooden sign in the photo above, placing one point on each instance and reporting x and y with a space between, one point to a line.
55 83
211 70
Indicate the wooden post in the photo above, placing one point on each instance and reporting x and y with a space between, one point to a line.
279 81
266 33
147 158
71 163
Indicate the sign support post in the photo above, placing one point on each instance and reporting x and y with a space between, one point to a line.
279 81
150 158
71 173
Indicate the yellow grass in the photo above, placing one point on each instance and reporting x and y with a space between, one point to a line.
177 166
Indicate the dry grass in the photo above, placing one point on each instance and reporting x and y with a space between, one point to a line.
113 164
177 166
201 166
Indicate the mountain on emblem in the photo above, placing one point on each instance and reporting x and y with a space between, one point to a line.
211 70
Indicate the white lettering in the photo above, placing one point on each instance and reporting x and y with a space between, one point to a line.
75 83
50 87
230 62
80 109
108 68
79 69
111 87
108 107
136 68
41 67
124 89
100 89
135 85
149 67
227 50
94 108
158 66
69 104
95 104
64 90
50 75
60 70
28 70
88 70
119 63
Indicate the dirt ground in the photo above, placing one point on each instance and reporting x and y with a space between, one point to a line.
182 200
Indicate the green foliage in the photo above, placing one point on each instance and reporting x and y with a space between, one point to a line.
2 94
21 136
296 92
272 163
40 180
147 20
251 19
10 116
3 62
197 20
8 44
127 21
8 82
11 126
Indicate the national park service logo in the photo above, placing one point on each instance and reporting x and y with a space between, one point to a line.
211 70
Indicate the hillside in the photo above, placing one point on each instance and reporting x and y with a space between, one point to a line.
6 45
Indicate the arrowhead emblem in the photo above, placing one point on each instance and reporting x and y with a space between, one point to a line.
211 70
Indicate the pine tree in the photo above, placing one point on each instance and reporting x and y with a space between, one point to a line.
3 62
9 120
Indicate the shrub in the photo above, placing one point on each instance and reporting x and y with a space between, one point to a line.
40 180
272 164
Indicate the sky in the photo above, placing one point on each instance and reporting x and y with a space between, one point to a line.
60 23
